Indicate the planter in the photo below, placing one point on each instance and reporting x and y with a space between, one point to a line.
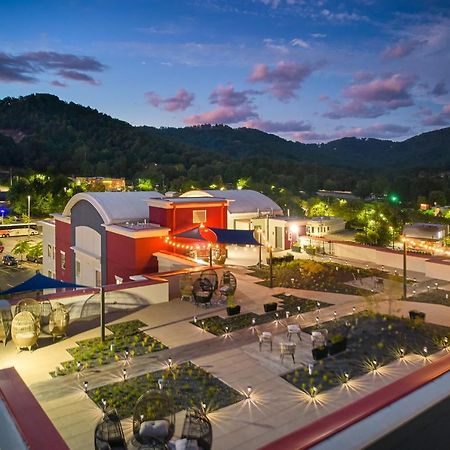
417 316
319 353
338 346
233 310
268 307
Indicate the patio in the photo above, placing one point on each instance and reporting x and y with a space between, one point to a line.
274 408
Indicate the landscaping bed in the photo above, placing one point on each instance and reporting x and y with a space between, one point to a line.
91 353
217 325
186 384
435 296
373 340
316 276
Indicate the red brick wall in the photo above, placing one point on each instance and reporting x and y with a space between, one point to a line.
215 217
63 243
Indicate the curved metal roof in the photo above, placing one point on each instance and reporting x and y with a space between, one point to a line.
243 201
116 207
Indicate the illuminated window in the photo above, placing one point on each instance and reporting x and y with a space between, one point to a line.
63 260
199 216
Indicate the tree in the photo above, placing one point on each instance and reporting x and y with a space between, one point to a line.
22 248
36 250
437 198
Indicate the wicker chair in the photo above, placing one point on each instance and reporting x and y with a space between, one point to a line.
31 305
24 330
5 321
228 285
109 433
203 291
186 287
211 276
153 419
58 321
197 427
46 310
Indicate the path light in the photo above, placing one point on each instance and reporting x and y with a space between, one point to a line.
104 404
337 268
414 280
276 317
446 296
287 314
169 362
124 373
402 352
317 321
253 321
127 353
313 391
160 383
299 308
203 324
203 406
382 267
195 320
142 417
395 272
249 392
78 365
226 330
85 386
372 291
335 315
428 287
310 369
414 292
436 285
318 305
292 281
446 341
375 364
367 266
346 377
353 310
425 351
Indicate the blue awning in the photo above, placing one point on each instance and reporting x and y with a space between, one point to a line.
39 282
224 236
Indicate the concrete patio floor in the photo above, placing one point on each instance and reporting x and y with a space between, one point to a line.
275 407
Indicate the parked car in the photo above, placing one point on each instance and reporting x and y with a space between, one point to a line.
35 259
9 260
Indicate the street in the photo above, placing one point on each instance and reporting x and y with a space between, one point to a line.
10 276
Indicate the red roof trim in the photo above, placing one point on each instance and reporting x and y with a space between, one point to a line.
327 426
33 424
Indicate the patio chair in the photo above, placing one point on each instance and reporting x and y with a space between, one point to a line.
46 310
31 305
58 321
265 338
5 320
211 276
319 338
294 329
203 291
153 419
108 433
186 287
24 330
197 427
287 348
228 285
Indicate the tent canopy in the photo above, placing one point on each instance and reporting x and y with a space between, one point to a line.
39 282
220 236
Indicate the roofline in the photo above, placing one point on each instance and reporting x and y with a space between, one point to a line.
92 200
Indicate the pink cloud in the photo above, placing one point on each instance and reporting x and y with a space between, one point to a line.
399 50
57 83
310 136
374 98
227 96
223 114
278 127
179 102
440 119
284 79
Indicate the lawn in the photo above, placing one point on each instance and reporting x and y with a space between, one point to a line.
373 341
186 384
219 325
316 276
435 296
126 339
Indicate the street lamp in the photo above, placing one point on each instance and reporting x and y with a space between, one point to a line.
29 209
259 231
2 211
270 267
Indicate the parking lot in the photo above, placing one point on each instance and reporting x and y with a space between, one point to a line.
10 276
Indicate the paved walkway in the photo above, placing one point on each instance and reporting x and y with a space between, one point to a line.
276 407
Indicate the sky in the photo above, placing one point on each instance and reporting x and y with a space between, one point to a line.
306 70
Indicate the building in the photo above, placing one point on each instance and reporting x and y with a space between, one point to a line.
108 184
323 225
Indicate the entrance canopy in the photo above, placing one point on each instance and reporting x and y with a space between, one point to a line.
220 236
39 282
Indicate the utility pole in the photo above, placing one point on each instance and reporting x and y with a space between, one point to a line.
270 267
404 268
102 313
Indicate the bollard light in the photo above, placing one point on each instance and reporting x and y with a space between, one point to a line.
195 320
346 377
249 391
85 386
160 383
402 352
124 373
253 321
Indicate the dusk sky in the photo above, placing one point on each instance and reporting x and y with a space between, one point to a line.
307 70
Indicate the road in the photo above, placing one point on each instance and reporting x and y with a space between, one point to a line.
10 276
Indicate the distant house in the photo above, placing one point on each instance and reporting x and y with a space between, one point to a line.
342 195
432 232
109 184
324 225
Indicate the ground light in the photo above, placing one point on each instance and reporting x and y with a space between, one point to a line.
85 386
249 392
124 374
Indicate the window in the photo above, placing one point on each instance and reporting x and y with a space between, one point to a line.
78 268
63 260
98 278
49 250
199 216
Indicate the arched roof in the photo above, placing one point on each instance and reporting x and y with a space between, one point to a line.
115 207
243 201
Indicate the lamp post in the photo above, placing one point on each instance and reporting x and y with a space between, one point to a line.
29 210
270 267
404 268
260 249
2 211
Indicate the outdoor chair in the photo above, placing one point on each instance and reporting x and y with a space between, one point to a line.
294 329
186 287
31 305
211 276
228 285
287 348
153 419
319 338
203 291
109 433
197 427
24 330
46 310
5 320
58 321
265 338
